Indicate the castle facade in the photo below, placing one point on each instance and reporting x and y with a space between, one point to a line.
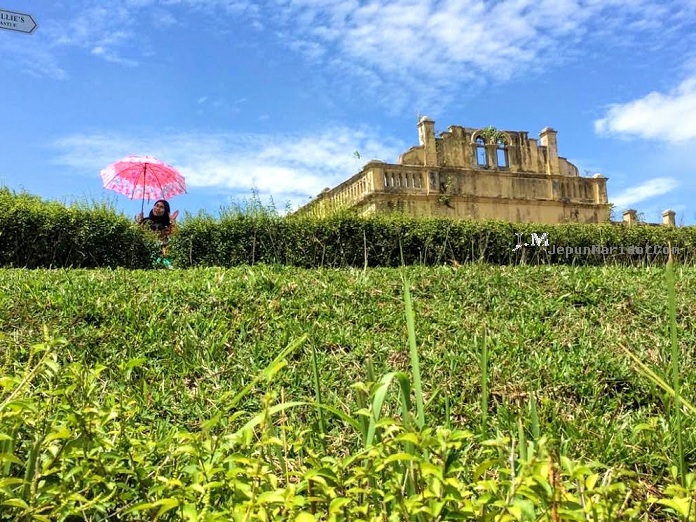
474 174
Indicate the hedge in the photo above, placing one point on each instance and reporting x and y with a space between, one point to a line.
351 241
45 234
36 233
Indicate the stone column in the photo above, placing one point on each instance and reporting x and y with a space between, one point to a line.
375 175
492 155
600 188
668 218
630 216
426 138
549 140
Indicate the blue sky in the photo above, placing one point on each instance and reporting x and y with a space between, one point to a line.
277 95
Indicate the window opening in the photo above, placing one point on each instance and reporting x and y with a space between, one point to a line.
481 152
502 153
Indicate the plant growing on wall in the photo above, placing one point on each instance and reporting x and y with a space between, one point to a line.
446 188
491 134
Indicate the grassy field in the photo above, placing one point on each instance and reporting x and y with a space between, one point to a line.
123 394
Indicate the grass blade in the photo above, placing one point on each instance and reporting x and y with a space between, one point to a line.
377 402
263 374
484 386
647 372
317 391
674 359
415 364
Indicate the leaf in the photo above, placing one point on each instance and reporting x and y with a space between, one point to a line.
337 504
271 497
63 433
431 469
591 481
9 457
680 505
258 418
377 402
272 370
305 517
409 437
167 504
525 509
5 482
134 363
140 507
482 468
15 502
190 513
398 457
8 382
515 511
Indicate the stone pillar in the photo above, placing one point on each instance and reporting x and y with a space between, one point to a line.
375 176
458 150
600 188
492 155
630 216
668 218
426 138
549 140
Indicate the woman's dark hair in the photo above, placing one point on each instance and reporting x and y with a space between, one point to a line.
160 222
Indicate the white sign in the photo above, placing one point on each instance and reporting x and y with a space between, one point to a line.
21 22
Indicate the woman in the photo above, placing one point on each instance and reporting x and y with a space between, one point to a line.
159 219
161 222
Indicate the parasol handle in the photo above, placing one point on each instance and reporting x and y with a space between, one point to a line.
142 206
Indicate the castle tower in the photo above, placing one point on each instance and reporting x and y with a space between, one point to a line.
668 218
426 138
550 141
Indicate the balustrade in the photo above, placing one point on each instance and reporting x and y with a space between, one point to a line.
400 179
411 180
350 194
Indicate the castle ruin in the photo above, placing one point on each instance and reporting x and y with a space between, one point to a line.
474 174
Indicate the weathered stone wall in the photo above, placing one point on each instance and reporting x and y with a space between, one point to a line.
486 208
457 147
475 174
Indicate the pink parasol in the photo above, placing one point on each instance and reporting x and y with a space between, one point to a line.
143 177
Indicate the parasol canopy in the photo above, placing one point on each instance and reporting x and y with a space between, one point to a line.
140 177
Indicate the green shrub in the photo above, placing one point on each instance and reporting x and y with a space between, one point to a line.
46 234
347 240
35 233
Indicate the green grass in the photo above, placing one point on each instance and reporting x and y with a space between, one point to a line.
152 374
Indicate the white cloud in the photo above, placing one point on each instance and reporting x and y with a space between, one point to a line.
431 47
286 167
409 50
112 57
646 190
104 29
667 117
162 18
111 28
34 58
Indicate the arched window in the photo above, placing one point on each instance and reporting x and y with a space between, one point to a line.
502 153
481 152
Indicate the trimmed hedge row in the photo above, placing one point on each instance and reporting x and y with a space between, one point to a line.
40 234
35 233
350 241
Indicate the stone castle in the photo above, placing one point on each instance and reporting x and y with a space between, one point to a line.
474 174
